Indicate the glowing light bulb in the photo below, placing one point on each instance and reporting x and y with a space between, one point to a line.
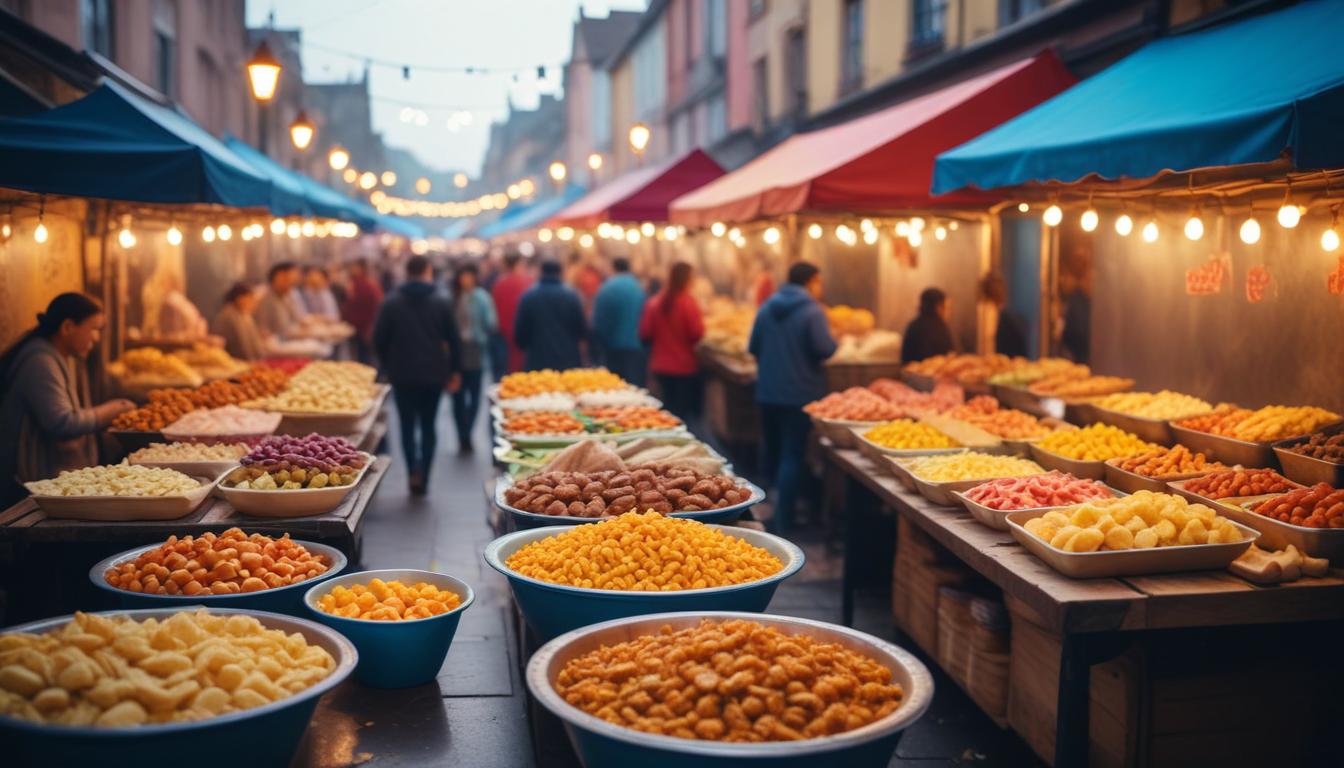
1089 220
126 238
1124 225
632 236
1250 232
870 236
671 233
6 230
916 239
917 223
865 225
544 235
952 225
174 235
617 232
40 234
293 230
565 234
646 229
940 233
1194 227
208 234
277 226
586 240
902 228
308 229
771 236
717 229
1052 216
1023 207
224 231
734 234
814 231
1150 232
1289 216
1330 241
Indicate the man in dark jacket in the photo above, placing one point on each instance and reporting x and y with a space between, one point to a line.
417 342
927 335
550 325
790 339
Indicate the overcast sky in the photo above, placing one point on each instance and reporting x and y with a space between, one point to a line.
509 34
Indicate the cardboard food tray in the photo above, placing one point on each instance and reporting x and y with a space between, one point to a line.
1089 470
334 424
1131 562
299 502
109 509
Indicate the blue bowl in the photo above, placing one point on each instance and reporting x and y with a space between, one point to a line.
554 609
287 599
396 654
601 744
524 520
271 733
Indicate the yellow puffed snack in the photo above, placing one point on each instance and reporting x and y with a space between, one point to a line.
388 601
1142 521
971 465
644 553
1162 405
117 672
905 434
1097 442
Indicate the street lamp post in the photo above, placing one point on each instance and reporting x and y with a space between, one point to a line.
263 74
301 131
640 136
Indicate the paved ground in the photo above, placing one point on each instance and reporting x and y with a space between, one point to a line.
476 716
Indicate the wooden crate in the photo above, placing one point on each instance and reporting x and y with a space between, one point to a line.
973 654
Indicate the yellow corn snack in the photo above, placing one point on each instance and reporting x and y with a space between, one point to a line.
971 465
1142 521
1162 405
907 434
1097 442
388 601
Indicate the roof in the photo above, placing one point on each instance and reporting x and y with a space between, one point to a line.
882 161
524 217
1245 93
647 19
642 194
604 36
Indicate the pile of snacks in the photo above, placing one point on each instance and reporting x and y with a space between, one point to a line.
1052 489
543 423
1039 369
1162 405
165 452
1319 506
630 418
323 387
984 412
951 467
849 321
151 364
1097 442
872 346
116 480
547 401
734 681
854 404
209 360
168 405
289 463
1070 386
616 398
659 487
388 601
1142 521
728 326
597 456
573 381
945 395
1273 422
1234 483
228 420
644 553
116 672
227 564
693 454
1320 446
1168 462
965 369
905 434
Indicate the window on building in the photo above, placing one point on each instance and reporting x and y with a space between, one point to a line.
929 19
851 52
760 82
95 18
1012 11
165 47
716 119
715 26
795 67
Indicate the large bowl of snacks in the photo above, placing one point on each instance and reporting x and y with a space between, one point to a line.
401 621
639 563
229 570
765 691
119 688
195 459
287 476
120 492
227 424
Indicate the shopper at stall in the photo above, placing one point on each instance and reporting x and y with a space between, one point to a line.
474 312
928 334
316 294
1006 327
507 292
616 319
276 314
45 412
672 325
420 349
791 340
550 328
233 323
360 308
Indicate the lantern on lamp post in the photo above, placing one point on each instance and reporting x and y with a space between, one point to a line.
640 136
301 131
263 75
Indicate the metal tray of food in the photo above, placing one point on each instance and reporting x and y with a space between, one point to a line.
1308 469
1226 449
1017 397
918 380
1178 487
1152 430
1088 470
1276 534
873 450
1133 482
1130 562
996 518
1081 412
1022 445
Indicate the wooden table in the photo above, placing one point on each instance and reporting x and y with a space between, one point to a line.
1092 616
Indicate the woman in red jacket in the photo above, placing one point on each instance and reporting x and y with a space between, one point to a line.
672 325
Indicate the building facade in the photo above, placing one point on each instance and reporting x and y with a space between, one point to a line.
587 98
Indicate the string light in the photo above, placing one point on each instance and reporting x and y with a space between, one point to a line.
952 225
845 235
870 236
594 161
771 235
40 232
350 175
1330 237
1250 231
565 234
586 240
208 234
1089 220
459 180
308 229
866 225
514 191
632 236
126 238
423 185
544 235
1289 214
646 229
1194 226
557 171
916 239
717 229
367 180
604 230
389 178
814 231
1052 216
277 226
917 223
902 229
338 158
246 234
671 233
617 232
174 235
224 232
940 233
293 230
734 234
1150 231
1124 225
1023 207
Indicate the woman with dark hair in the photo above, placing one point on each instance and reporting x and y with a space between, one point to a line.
928 334
235 325
476 323
45 414
672 325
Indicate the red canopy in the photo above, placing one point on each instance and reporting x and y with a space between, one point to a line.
882 161
642 194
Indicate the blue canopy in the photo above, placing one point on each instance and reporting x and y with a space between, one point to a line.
526 217
398 225
1248 92
288 194
116 145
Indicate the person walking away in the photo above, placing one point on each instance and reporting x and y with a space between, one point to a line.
928 334
791 340
1008 329
233 323
45 412
275 314
420 349
474 312
508 292
318 299
672 325
360 308
550 328
617 310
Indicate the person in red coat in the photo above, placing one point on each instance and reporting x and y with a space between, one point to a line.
672 325
507 292
363 296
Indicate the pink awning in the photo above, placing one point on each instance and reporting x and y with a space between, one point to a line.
641 194
882 161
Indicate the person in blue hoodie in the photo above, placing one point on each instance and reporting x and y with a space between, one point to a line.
790 340
420 349
616 312
550 326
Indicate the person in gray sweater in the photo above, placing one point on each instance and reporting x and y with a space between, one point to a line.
45 414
